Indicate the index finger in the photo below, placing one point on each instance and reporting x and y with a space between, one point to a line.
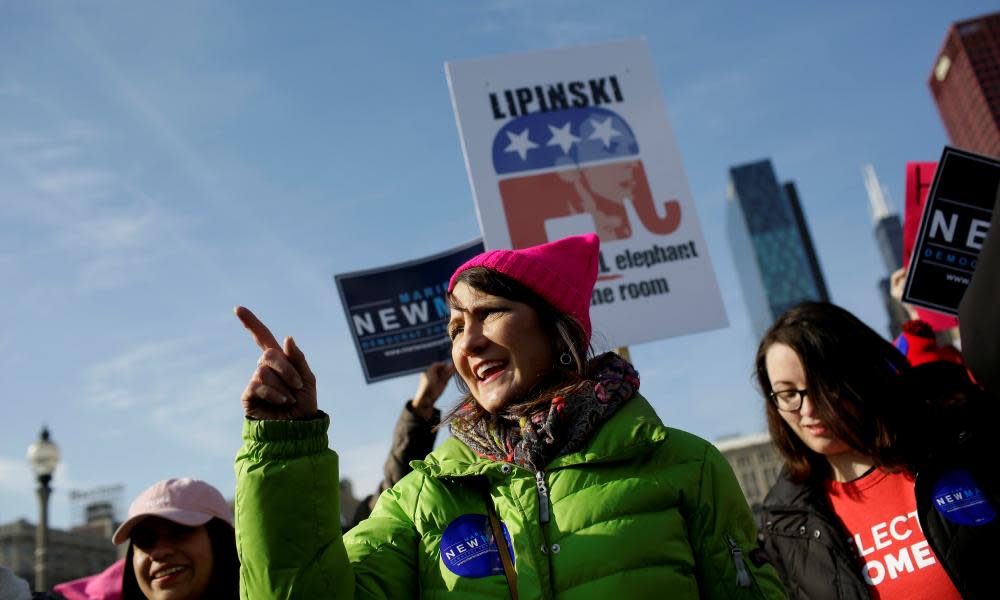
261 334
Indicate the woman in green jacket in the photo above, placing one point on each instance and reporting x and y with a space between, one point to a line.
559 480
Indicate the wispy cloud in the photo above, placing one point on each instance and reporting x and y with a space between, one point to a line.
182 393
121 382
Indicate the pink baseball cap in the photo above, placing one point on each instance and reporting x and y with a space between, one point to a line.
562 272
190 502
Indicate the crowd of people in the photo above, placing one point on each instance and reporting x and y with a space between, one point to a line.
559 480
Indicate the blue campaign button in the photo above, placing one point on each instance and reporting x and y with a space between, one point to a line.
957 497
469 550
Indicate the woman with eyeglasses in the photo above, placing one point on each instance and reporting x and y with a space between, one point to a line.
878 497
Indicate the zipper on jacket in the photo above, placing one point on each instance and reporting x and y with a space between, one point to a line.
543 497
742 575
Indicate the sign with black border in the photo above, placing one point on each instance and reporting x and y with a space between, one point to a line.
955 221
398 315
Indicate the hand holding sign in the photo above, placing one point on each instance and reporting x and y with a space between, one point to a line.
433 381
283 386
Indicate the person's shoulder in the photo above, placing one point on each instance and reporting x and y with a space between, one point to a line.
684 445
452 457
786 493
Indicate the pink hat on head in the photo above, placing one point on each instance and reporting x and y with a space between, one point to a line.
562 272
190 502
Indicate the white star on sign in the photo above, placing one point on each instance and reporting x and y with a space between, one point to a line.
604 132
520 143
562 137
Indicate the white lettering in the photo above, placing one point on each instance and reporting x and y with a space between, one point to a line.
938 223
460 548
388 318
977 233
417 313
895 534
881 536
861 545
473 543
363 324
923 555
879 572
897 565
449 554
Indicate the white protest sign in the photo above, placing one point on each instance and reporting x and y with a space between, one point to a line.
574 140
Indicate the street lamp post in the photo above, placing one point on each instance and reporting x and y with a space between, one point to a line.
43 456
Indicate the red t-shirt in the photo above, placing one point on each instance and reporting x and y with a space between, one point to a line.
879 510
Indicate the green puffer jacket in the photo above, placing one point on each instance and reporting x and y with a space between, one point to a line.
644 511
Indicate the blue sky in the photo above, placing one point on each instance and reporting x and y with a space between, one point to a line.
163 162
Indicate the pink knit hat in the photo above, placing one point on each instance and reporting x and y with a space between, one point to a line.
562 272
190 502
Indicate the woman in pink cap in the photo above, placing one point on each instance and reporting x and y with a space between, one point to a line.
181 544
559 479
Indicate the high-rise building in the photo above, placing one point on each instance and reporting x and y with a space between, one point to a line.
965 83
771 245
889 237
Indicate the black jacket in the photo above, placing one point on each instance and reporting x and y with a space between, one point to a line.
809 547
979 312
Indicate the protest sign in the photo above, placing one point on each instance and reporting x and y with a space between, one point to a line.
919 177
577 140
955 221
398 315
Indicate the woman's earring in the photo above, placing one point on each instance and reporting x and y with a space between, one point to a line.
565 359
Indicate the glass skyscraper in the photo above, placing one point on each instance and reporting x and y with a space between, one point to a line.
771 245
889 238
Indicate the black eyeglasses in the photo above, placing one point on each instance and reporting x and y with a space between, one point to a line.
788 400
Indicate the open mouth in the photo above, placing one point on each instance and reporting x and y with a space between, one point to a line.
490 369
166 575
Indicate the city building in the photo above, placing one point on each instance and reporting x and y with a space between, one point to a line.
889 238
965 83
756 464
773 251
71 554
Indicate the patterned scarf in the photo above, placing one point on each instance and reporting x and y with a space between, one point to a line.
560 426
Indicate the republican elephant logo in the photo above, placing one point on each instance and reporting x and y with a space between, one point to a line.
581 161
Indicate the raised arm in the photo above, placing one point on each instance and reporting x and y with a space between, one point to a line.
287 481
288 530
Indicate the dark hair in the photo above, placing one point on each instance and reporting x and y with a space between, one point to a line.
225 581
567 335
850 379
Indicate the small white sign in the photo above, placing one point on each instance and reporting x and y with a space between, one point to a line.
573 140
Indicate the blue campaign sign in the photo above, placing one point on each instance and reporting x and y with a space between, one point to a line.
397 314
954 224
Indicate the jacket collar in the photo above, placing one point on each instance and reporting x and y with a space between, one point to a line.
633 430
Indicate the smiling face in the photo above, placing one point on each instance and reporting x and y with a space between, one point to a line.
785 372
171 561
499 346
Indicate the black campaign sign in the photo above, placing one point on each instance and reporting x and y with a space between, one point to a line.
954 224
398 315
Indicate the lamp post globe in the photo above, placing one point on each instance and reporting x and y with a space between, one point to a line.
43 456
